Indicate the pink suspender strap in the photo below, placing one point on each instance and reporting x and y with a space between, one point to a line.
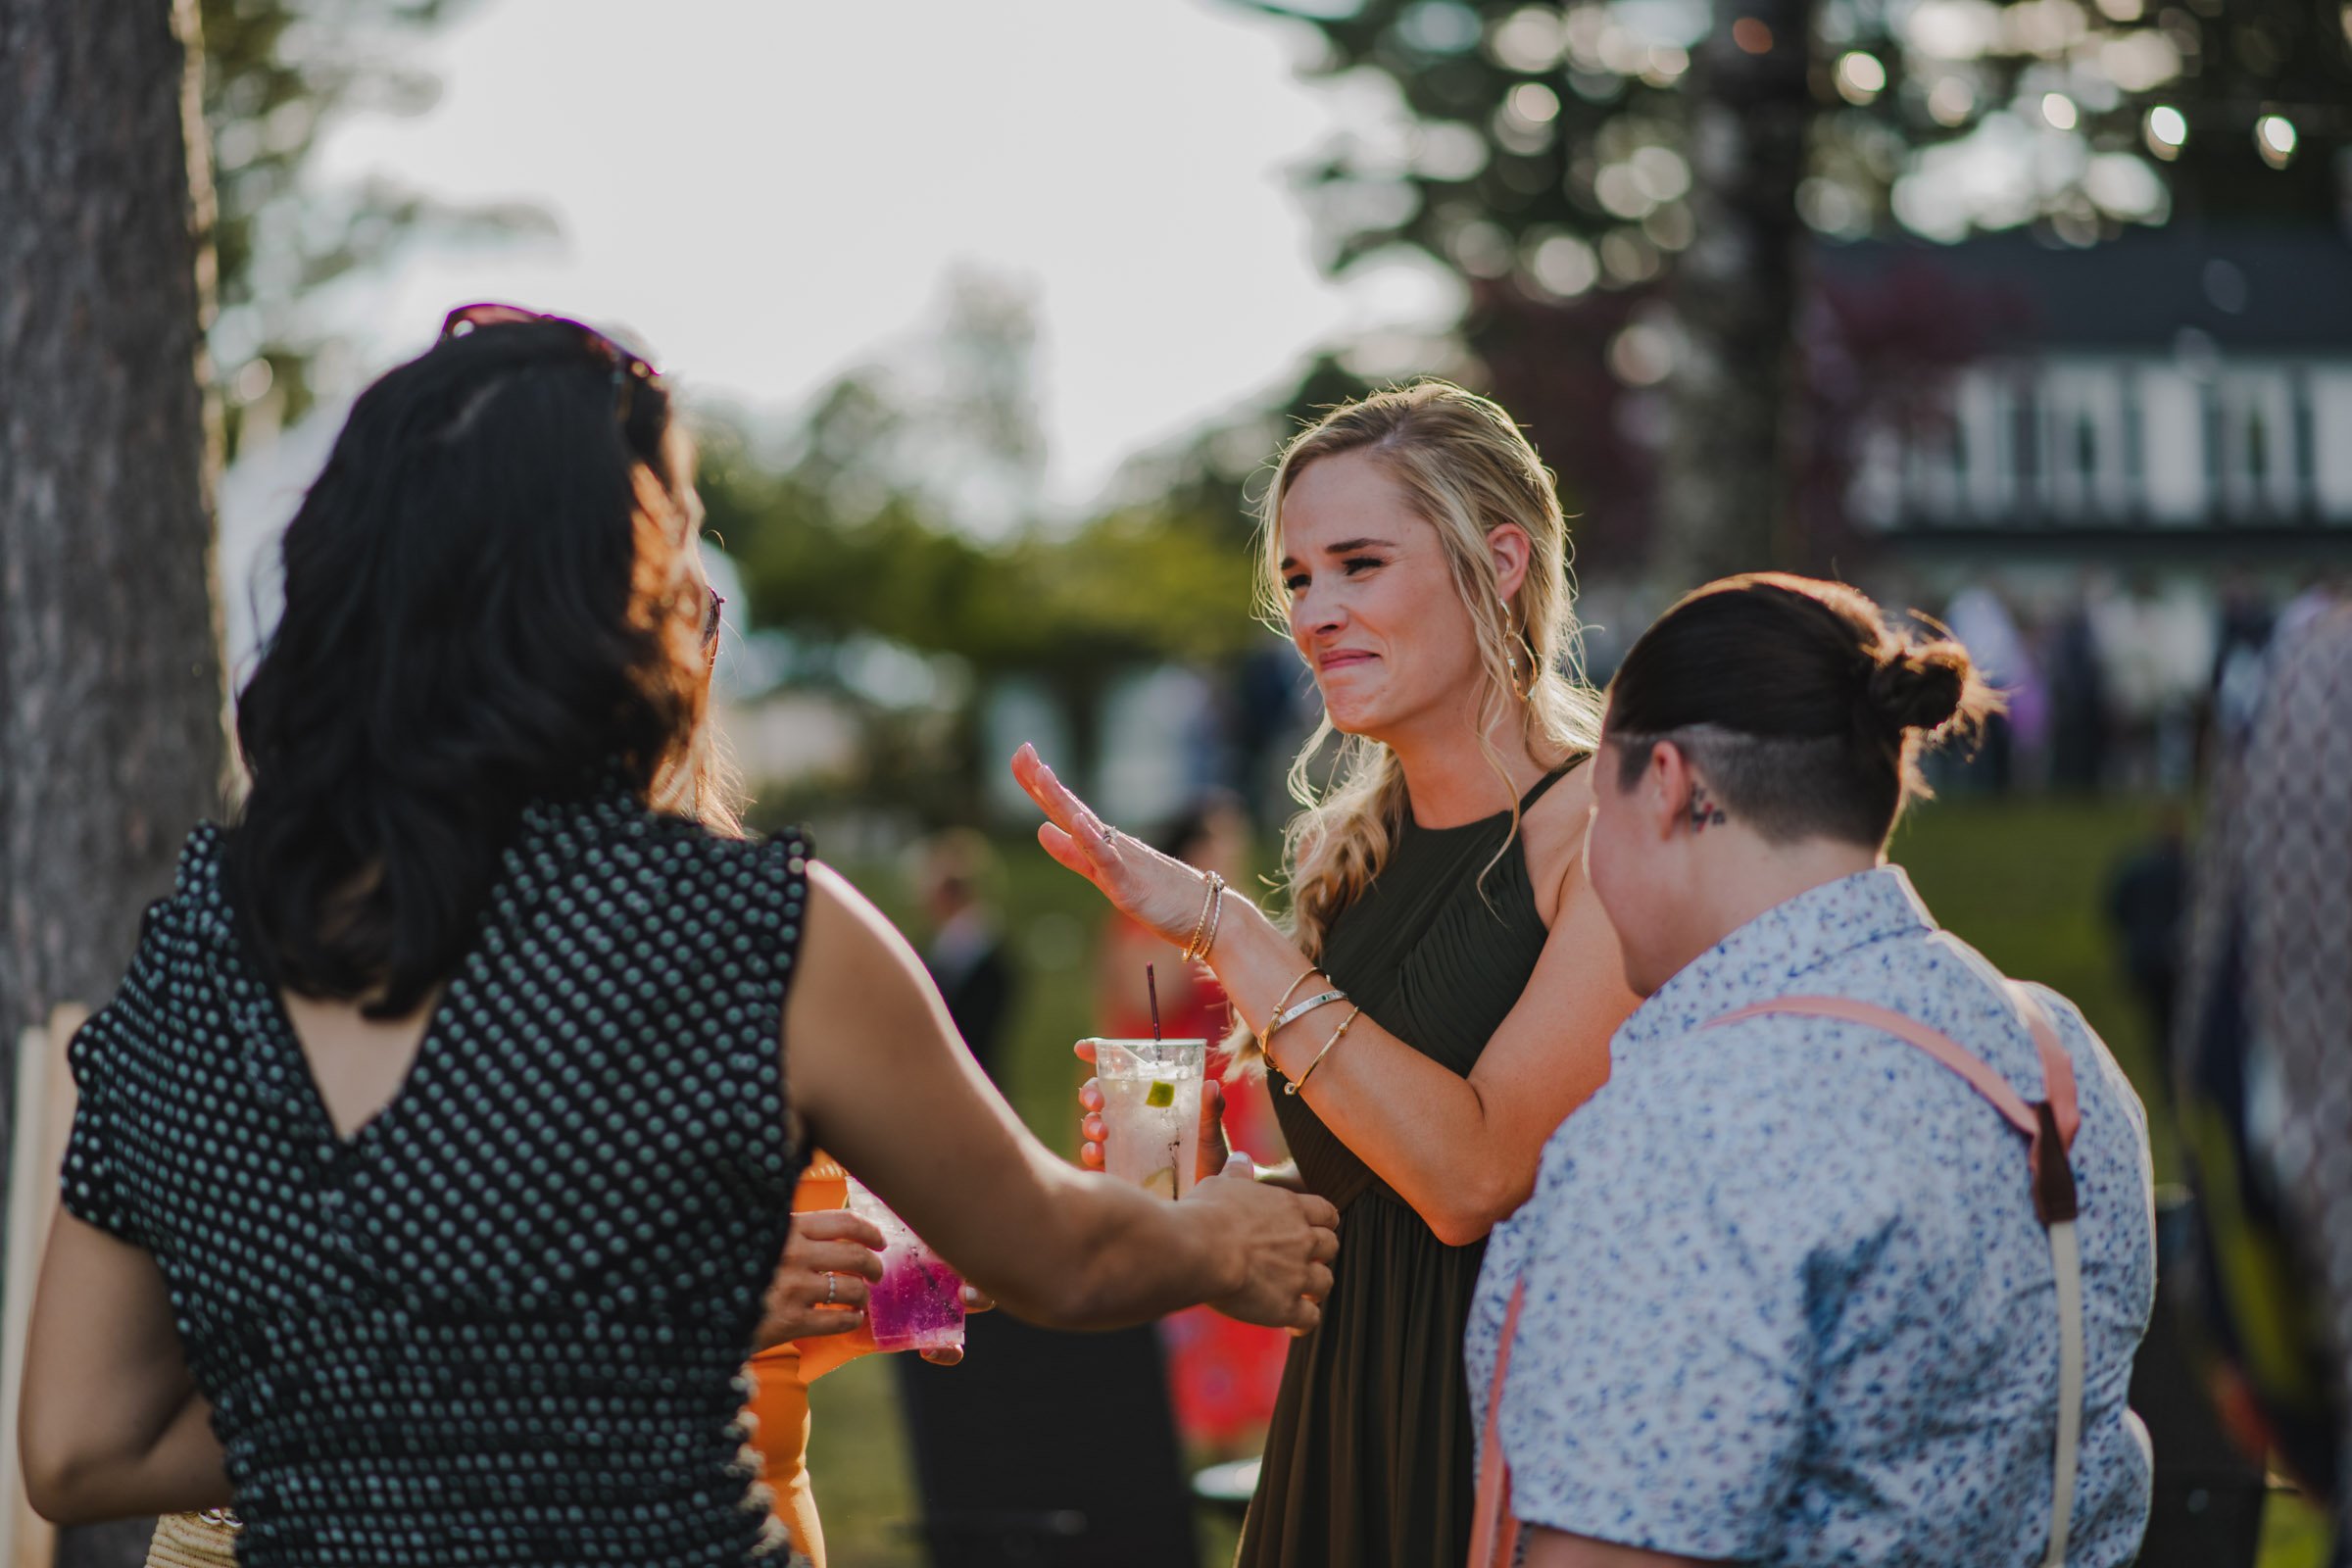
2049 1122
1493 1532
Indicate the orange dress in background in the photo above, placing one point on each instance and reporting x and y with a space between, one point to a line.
780 1379
1222 1375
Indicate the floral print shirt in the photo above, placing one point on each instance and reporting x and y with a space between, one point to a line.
1787 1298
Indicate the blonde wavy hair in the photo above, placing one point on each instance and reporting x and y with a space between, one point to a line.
1466 470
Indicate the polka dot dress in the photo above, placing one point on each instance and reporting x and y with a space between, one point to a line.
505 1323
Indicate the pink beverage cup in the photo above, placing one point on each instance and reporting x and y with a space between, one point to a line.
918 1302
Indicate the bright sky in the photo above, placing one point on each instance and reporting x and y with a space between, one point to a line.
770 191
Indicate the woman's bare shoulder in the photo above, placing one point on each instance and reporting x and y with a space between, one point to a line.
1554 830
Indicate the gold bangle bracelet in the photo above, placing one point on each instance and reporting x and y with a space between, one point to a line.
1208 901
1207 909
1265 1036
1216 918
1300 1083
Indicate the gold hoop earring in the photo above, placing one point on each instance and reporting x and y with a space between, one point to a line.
1510 649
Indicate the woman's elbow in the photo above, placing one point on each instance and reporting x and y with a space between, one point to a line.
1465 1215
55 1484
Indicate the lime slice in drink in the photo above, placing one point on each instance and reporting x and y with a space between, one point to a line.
1160 1094
1161 1183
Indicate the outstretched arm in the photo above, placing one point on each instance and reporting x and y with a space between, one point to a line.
112 1424
1461 1150
878 1075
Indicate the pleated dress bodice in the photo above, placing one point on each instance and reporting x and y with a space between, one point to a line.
1368 1460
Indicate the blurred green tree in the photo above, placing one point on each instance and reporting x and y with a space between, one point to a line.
277 73
1632 184
903 502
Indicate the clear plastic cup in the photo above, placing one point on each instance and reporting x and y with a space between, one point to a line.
1151 1110
918 1302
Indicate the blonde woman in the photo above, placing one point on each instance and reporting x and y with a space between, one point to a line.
1442 993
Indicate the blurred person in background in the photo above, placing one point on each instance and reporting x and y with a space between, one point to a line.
1442 993
1222 1375
2147 899
2262 1055
1794 1286
1979 621
435 1162
2081 713
960 882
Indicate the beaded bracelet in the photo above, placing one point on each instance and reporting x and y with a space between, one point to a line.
1275 1020
1300 1083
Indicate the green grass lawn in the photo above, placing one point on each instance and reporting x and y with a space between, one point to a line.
2024 881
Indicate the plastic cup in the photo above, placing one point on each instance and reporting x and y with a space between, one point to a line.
1151 1110
918 1302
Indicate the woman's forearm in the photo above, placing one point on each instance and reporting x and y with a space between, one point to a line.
1138 1257
1422 1128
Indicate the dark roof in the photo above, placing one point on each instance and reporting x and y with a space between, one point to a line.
2272 289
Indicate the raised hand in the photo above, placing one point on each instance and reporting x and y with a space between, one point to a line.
1156 890
1093 1132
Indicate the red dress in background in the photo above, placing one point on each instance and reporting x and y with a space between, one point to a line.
1222 1375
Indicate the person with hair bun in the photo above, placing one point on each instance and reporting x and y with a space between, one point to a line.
1849 1258
1442 990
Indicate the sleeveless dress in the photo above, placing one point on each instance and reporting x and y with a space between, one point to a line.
504 1323
1368 1462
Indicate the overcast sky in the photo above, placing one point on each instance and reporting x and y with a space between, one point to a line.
770 191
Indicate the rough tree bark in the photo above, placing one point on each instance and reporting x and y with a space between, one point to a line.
1725 491
111 737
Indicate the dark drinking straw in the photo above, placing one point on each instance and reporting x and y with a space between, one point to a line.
1152 985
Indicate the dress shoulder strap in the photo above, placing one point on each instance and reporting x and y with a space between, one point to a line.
1536 791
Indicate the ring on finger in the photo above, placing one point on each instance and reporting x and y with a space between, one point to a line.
1110 835
832 1287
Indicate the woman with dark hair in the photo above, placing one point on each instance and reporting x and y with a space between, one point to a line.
434 1159
1792 1286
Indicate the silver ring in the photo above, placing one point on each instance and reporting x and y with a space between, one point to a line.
832 1283
1110 835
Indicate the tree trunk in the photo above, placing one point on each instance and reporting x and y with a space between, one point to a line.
1726 488
111 740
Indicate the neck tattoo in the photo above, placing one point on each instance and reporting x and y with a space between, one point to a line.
1705 813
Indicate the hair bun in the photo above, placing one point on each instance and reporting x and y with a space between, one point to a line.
1920 688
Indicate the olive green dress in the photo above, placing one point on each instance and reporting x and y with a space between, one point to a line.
1367 1462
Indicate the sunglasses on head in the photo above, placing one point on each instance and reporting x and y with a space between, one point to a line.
630 364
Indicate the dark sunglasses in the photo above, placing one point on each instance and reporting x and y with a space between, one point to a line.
718 603
630 364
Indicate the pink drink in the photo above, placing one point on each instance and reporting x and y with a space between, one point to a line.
918 1302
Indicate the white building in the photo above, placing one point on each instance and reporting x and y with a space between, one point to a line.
2172 393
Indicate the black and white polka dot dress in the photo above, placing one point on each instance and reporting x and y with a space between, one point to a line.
505 1323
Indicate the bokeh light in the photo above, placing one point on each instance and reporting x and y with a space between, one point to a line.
2275 138
1860 78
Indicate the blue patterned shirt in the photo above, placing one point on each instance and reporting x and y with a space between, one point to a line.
1787 1299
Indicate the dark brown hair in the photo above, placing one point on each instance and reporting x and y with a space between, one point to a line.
485 604
1796 702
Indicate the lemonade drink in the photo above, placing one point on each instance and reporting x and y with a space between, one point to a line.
1151 1110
